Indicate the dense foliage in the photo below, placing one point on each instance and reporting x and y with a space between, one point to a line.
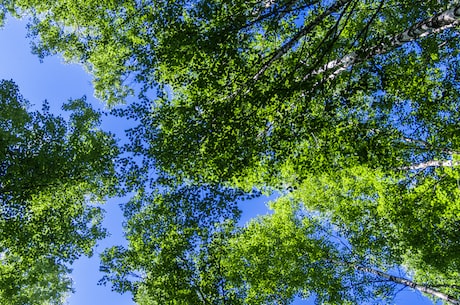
50 170
346 109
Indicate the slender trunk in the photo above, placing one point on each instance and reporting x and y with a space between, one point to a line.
436 24
301 33
432 163
411 284
285 48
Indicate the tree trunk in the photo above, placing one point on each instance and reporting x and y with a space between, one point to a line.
301 33
411 284
436 24
432 163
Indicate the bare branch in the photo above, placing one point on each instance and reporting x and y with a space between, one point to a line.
301 33
284 49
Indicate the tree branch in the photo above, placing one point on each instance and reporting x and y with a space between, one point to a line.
409 283
301 33
427 145
432 163
435 24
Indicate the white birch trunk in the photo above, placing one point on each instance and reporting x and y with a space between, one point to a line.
445 20
411 284
432 163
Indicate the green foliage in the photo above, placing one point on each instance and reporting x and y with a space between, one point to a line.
347 109
33 281
388 222
51 171
256 97
175 237
286 254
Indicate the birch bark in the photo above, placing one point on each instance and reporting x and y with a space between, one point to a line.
408 283
436 24
432 163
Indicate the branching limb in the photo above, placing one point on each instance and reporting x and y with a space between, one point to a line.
436 24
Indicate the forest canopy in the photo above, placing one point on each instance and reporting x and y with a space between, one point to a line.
346 111
50 170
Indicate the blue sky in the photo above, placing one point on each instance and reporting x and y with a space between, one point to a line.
57 82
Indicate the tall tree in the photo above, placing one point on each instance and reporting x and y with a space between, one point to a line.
173 257
255 84
51 170
349 107
287 254
182 252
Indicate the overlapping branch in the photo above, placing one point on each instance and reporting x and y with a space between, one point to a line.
436 24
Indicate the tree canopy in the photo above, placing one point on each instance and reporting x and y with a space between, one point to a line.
346 109
51 170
